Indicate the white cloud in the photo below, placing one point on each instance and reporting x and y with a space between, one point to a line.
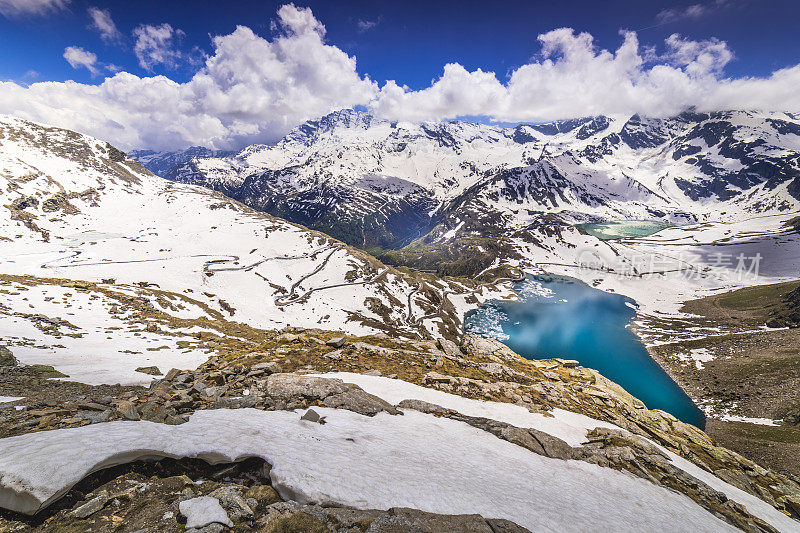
17 8
77 57
249 90
157 45
366 25
698 58
571 77
694 11
104 24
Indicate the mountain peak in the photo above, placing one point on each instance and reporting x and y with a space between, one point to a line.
310 130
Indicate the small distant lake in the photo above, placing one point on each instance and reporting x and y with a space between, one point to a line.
621 229
558 316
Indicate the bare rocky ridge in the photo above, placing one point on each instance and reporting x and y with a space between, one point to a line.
789 314
747 375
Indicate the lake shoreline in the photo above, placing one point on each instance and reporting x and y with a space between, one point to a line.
564 317
748 377
660 361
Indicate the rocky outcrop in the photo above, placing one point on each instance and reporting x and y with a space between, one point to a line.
788 315
273 376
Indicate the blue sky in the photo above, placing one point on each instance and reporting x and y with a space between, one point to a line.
407 41
169 74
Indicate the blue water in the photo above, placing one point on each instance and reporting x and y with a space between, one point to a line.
621 229
558 316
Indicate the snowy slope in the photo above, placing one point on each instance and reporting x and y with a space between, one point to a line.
568 426
435 463
492 196
74 207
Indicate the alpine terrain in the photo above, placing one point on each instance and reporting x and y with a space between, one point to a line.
418 267
721 192
282 376
471 194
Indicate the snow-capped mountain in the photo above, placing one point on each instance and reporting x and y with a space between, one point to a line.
463 198
110 274
373 182
162 162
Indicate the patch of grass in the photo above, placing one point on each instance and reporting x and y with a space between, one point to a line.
794 224
786 434
296 523
757 299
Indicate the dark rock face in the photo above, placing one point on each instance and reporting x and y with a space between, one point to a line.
521 136
593 127
560 126
783 127
789 314
639 132
794 188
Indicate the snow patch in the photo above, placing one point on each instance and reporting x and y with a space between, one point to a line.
434 464
9 399
202 511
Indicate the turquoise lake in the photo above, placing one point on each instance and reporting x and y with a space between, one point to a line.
621 229
558 316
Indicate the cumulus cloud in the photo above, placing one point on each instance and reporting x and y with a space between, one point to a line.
252 89
77 57
18 8
249 90
571 77
157 45
104 24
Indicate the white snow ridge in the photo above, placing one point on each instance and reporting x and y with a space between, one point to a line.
434 464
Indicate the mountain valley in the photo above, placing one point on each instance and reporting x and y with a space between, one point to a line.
150 318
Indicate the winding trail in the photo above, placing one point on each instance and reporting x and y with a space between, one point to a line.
409 314
291 296
76 253
316 289
208 264
411 321
420 320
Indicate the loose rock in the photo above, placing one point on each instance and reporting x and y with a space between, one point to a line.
336 342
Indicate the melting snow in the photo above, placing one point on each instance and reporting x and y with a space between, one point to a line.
434 464
9 399
202 511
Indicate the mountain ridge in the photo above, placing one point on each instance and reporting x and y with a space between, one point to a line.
384 185
110 273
